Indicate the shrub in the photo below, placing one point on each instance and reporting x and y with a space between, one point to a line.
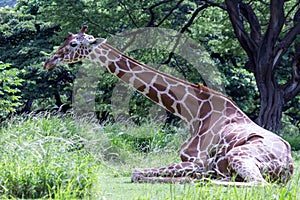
9 93
290 132
47 156
41 158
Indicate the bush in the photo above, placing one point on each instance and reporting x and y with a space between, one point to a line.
43 158
50 156
290 132
140 138
9 93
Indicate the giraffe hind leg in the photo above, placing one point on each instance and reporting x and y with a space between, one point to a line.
245 164
182 172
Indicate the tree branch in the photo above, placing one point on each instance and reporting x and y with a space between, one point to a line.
292 88
171 11
292 9
253 21
275 24
233 9
291 35
152 15
183 29
128 13
287 40
211 3
191 20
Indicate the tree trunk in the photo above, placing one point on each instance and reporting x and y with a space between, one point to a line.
271 95
271 106
265 51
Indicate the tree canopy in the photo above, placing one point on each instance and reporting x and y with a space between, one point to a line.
254 44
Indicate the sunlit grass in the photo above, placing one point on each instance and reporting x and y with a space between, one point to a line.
43 157
65 157
111 186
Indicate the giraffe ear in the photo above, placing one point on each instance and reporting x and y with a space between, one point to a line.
97 41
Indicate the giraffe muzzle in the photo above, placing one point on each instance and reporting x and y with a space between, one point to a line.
51 63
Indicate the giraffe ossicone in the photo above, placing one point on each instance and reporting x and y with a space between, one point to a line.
224 143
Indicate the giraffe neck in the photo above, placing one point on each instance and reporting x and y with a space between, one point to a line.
197 105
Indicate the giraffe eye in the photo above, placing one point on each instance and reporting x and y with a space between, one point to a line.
73 44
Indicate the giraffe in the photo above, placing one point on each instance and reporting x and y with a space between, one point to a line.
224 144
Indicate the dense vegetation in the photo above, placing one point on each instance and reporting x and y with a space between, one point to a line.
30 32
65 157
45 155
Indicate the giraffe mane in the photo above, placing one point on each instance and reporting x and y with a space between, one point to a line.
204 88
148 67
198 86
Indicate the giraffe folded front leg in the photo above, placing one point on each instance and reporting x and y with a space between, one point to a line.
180 172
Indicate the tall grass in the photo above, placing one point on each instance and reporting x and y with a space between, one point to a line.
42 157
46 156
65 157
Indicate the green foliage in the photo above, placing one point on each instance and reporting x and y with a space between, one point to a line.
64 157
211 27
20 36
24 41
294 141
9 93
42 157
242 88
143 138
59 157
32 30
290 132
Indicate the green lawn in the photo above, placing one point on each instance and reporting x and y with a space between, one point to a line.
113 186
62 157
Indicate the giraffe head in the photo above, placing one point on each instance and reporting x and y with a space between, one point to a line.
75 48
